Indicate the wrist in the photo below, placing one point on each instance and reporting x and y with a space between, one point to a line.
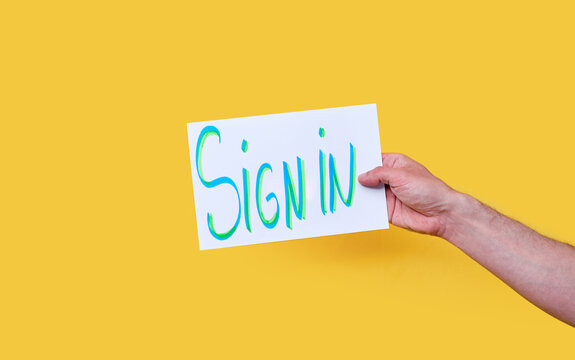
461 216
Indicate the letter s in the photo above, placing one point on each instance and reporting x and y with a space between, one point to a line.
207 131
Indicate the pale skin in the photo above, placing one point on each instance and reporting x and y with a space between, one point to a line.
540 269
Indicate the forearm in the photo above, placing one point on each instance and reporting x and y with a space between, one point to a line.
540 269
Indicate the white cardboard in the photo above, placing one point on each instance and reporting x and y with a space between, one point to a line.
279 138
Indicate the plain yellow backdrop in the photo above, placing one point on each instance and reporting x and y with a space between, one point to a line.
99 251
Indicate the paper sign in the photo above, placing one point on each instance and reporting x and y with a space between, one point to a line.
285 176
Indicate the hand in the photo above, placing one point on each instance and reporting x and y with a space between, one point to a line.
540 269
416 199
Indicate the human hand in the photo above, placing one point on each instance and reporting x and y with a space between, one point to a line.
539 268
416 199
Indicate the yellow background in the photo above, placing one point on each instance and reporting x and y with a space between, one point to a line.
99 251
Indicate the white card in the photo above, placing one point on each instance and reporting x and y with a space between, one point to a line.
259 179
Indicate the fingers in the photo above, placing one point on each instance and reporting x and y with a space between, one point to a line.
391 203
381 175
395 160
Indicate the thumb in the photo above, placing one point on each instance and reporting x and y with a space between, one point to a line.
380 175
